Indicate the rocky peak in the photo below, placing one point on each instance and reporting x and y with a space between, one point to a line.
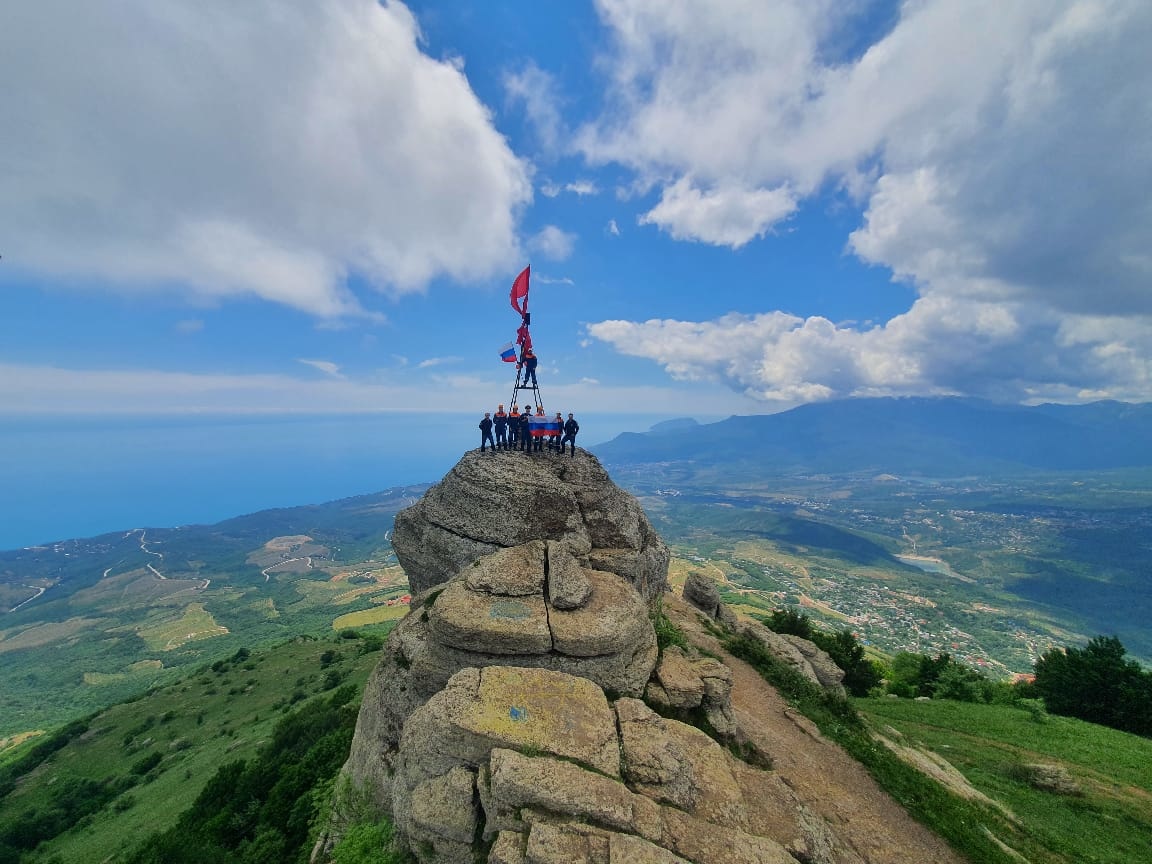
520 711
492 501
534 562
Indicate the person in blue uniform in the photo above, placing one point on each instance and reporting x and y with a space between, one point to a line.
486 433
571 427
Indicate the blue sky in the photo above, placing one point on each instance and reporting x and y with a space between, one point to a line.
283 206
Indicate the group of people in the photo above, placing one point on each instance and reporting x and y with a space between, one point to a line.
528 432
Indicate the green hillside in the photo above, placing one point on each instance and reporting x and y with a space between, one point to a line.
88 622
132 769
1103 818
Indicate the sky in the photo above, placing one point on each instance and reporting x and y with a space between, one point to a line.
729 207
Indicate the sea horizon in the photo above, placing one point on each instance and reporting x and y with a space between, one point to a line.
83 476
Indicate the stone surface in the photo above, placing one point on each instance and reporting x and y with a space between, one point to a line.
444 807
502 702
677 764
490 624
493 501
511 572
501 706
613 619
508 848
568 587
683 686
702 593
681 683
1052 778
828 674
561 787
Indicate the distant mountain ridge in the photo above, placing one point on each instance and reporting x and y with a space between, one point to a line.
927 436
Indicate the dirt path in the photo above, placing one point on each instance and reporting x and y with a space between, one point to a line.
816 793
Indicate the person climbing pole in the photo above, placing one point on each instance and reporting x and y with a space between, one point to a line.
528 360
486 432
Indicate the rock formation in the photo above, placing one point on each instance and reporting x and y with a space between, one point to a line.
505 499
504 722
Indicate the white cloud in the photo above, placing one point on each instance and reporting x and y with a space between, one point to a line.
553 243
268 150
535 90
580 188
941 346
997 149
613 228
325 366
542 279
436 361
728 216
56 391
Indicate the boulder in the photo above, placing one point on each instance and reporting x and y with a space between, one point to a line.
677 764
493 501
802 655
513 572
568 587
488 623
701 592
828 674
681 683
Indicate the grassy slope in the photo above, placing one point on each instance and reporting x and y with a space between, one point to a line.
1110 823
196 724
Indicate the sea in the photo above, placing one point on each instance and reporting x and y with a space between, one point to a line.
73 477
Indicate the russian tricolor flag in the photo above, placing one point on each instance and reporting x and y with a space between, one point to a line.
508 353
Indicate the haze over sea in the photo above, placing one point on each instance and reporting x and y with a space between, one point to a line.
67 477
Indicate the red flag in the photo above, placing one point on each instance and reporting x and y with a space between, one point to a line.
520 291
523 337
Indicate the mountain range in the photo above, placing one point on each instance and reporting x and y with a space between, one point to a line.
935 437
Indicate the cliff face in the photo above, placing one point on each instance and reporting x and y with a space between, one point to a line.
511 717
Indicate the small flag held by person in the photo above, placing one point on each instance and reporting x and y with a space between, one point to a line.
508 353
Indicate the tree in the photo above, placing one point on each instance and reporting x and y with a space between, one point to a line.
1097 683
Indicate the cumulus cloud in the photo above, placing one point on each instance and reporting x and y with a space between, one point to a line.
997 152
725 217
553 243
269 150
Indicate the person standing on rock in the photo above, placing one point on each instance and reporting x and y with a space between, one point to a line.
526 431
539 429
555 427
486 433
500 421
570 430
513 427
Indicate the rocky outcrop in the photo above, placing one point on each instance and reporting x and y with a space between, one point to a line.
702 593
683 683
504 721
513 584
543 766
492 501
801 654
